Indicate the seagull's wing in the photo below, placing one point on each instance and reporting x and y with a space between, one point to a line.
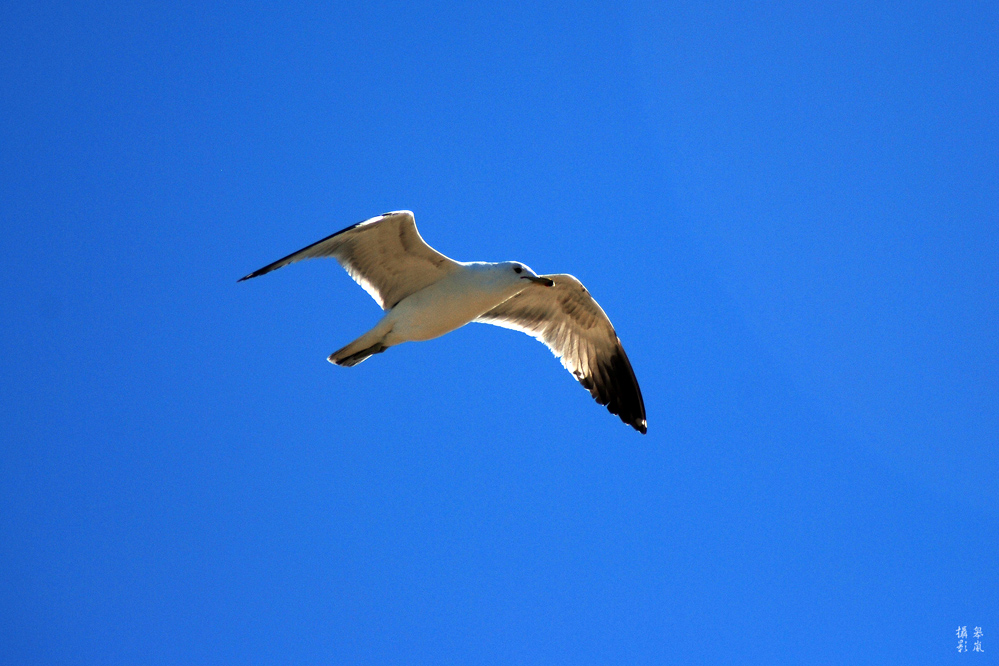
385 255
567 319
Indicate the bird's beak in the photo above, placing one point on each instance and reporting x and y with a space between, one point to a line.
539 280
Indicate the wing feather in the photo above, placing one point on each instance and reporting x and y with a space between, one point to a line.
576 329
385 255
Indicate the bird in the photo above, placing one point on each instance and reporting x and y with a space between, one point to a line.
425 294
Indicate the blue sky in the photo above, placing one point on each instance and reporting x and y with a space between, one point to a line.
788 212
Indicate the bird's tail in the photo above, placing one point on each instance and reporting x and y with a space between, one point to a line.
372 342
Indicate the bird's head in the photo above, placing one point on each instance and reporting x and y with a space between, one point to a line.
516 271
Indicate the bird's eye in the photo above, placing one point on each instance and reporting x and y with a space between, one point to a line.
517 269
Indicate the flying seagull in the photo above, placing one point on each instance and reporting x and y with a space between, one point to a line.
426 295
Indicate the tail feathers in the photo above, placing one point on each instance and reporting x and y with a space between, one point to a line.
354 353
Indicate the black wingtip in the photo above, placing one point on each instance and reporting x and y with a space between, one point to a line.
617 387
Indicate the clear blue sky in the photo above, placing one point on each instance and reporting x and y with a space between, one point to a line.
789 211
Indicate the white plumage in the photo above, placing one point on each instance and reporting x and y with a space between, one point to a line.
426 295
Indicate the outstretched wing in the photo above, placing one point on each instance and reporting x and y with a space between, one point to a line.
570 323
385 255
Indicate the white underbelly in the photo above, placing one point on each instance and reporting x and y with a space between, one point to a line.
437 310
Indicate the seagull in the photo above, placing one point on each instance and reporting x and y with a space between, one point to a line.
425 295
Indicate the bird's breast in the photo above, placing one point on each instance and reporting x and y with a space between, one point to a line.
441 308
